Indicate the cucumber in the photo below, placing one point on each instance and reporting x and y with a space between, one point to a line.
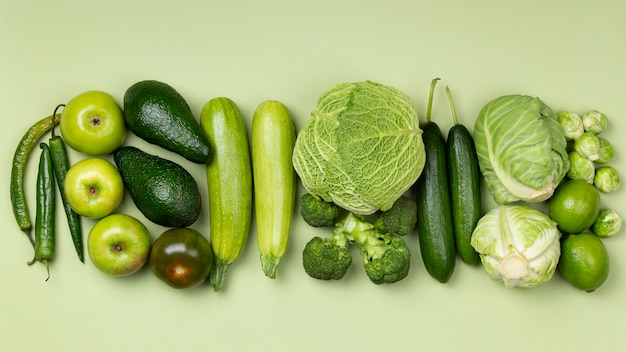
434 214
464 186
273 139
229 180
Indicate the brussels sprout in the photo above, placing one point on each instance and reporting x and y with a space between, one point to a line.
605 152
580 168
607 179
588 145
594 121
607 224
572 124
518 245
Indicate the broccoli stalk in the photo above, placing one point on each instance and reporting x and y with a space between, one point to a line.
386 257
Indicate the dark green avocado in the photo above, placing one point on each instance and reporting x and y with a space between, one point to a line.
157 113
164 191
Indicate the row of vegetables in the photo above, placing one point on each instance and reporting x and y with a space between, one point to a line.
373 175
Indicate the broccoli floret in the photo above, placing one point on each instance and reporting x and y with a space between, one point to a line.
327 258
386 257
400 219
317 212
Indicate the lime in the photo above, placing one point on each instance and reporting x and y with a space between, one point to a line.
584 261
574 206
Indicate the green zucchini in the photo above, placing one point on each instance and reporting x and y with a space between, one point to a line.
273 139
434 214
464 186
229 180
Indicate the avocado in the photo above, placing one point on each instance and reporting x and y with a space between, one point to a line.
164 191
157 113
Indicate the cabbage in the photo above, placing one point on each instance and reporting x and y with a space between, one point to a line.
362 147
521 149
518 245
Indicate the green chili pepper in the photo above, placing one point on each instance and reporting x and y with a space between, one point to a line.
20 159
60 163
44 220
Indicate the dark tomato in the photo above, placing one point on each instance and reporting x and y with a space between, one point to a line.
181 257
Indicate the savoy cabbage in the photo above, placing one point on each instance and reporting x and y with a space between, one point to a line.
361 148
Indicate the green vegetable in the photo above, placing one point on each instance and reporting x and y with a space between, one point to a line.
324 258
157 113
386 257
607 179
400 219
18 169
60 163
607 224
588 145
580 168
273 138
605 151
464 186
362 147
327 258
44 221
521 149
518 245
162 190
181 258
572 124
316 212
229 180
434 226
594 122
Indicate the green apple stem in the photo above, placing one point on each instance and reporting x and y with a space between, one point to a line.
219 274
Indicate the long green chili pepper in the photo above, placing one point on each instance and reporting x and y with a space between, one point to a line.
20 159
44 220
60 163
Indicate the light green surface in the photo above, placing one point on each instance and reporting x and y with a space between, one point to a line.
571 54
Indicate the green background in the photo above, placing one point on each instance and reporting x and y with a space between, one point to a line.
571 54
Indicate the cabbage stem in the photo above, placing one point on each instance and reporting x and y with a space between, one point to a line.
514 266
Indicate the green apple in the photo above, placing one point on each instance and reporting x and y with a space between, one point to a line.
94 187
93 123
118 244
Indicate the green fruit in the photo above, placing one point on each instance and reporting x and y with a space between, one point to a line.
157 113
574 206
162 190
181 258
93 123
118 244
584 261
